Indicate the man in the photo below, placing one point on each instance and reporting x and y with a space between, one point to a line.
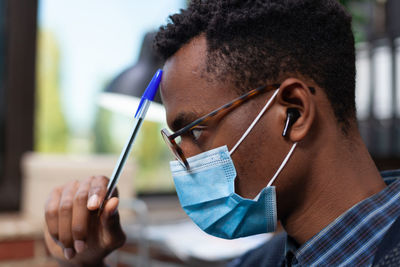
289 150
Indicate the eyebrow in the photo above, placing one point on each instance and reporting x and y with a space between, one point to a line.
183 119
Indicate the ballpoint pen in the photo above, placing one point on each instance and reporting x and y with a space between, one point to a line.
141 111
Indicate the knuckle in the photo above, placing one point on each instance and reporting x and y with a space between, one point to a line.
88 179
51 212
75 184
96 189
72 183
81 197
53 196
55 191
66 207
101 179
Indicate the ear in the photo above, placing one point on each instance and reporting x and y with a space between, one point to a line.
294 93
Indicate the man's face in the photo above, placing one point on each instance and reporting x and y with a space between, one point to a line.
189 92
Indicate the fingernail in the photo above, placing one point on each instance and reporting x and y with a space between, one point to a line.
93 201
79 245
68 253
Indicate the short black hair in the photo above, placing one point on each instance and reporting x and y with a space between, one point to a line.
255 41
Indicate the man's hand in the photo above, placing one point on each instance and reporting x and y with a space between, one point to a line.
75 234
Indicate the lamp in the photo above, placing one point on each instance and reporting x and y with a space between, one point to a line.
123 94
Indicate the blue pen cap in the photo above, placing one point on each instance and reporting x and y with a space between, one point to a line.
151 90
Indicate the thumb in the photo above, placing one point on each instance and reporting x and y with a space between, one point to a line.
113 235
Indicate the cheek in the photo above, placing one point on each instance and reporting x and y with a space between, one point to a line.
189 147
257 158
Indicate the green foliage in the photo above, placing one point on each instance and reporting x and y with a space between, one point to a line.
359 18
103 141
151 144
152 156
345 2
51 132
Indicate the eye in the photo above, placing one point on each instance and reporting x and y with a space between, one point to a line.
197 132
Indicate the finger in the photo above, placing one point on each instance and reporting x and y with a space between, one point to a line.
97 192
114 236
80 216
54 249
51 212
65 218
110 208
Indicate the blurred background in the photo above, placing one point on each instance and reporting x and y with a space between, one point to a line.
71 74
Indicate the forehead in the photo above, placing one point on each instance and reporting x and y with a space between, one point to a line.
187 90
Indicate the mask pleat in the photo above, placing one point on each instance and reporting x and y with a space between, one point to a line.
212 212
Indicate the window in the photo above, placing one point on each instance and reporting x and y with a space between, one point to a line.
82 47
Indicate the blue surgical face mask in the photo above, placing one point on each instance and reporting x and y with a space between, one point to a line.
207 193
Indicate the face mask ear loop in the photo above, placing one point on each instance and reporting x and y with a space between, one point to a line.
254 122
282 164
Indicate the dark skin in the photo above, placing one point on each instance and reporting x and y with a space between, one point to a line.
75 235
328 173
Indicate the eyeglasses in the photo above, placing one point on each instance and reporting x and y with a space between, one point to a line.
170 138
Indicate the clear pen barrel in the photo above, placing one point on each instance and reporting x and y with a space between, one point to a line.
138 120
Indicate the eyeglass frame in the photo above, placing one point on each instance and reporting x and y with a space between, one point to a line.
234 103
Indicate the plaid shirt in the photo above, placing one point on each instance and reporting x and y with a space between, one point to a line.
352 239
